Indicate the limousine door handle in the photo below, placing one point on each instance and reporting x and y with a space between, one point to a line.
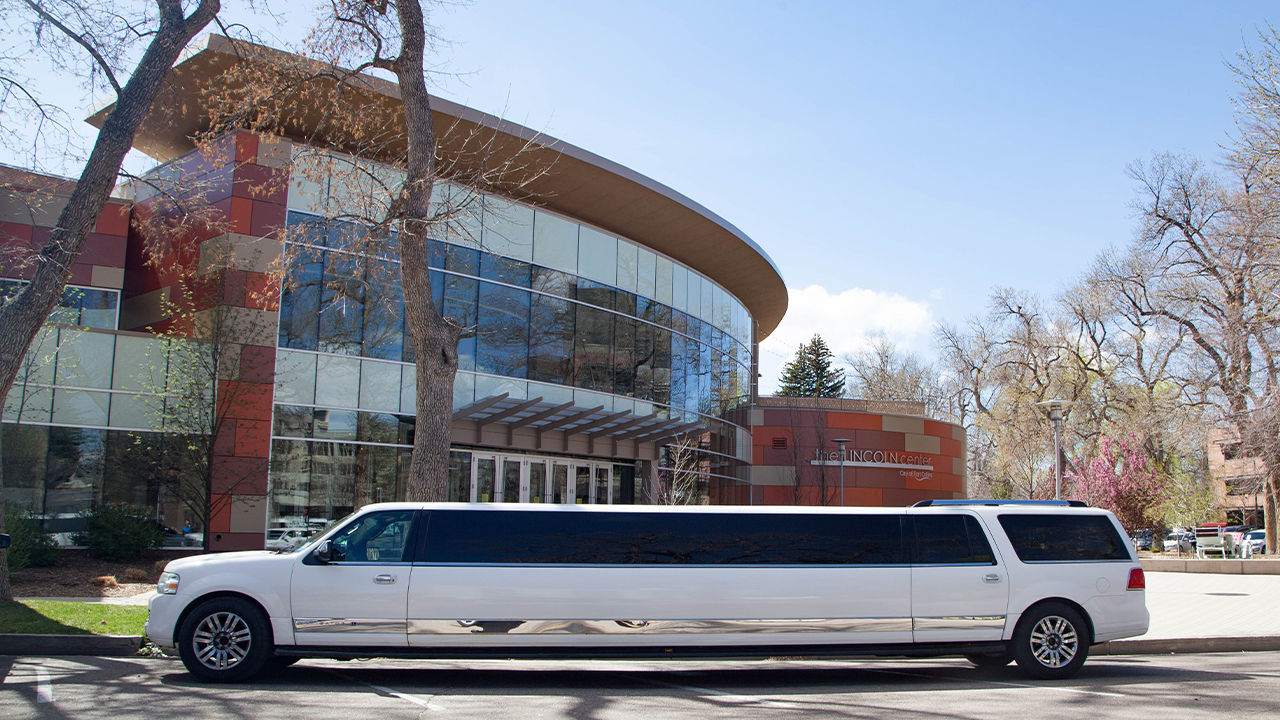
384 579
991 578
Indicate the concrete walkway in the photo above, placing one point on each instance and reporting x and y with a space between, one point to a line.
1194 605
142 599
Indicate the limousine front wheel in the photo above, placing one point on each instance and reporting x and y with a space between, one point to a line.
1051 642
225 639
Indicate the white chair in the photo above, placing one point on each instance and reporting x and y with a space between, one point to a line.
1211 545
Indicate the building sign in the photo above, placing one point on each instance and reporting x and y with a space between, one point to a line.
916 467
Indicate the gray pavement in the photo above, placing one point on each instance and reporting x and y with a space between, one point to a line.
1192 605
1235 685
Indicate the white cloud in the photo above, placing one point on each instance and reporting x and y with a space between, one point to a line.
846 321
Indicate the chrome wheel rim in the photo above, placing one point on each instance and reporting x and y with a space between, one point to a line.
222 641
1054 642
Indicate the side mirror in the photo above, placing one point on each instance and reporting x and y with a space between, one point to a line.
5 541
322 553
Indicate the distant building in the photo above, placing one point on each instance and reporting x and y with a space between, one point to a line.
1237 478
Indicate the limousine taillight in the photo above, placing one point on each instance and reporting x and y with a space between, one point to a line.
1137 579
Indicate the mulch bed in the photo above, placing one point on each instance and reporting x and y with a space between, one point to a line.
73 575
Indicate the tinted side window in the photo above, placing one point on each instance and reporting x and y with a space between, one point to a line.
951 539
1043 538
376 537
462 536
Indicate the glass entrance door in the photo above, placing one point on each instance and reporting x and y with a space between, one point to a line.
522 479
484 476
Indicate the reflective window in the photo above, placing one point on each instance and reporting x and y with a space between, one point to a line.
551 340
951 539
597 256
628 266
593 349
555 242
502 342
626 538
375 537
1064 538
646 274
508 228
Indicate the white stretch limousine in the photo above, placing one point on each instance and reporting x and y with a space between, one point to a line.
995 581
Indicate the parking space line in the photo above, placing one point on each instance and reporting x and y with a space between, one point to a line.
388 691
44 688
997 682
719 693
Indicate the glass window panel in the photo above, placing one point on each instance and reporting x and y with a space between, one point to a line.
26 450
139 364
555 242
628 266
488 386
384 312
624 356
98 308
646 273
460 298
504 270
693 298
134 411
459 476
77 407
409 389
28 403
593 349
644 352
593 293
486 476
553 394
335 424
378 428
508 228
663 271
73 471
462 214
464 390
679 288
342 303
290 478
291 421
559 483
502 343
601 495
295 377
436 253
1064 538
582 485
598 256
84 359
341 386
462 260
537 481
554 282
300 299
379 386
511 480
551 339
708 313
376 537
42 356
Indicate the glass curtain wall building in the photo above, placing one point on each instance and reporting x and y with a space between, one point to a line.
554 310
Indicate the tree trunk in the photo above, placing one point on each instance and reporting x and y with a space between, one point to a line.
435 339
23 316
1270 501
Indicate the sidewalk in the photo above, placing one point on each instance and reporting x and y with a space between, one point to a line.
1195 605
142 599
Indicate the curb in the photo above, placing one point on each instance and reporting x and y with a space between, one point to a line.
1247 643
101 645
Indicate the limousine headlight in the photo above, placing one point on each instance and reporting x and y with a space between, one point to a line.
168 584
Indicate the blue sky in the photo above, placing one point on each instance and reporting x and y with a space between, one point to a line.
896 160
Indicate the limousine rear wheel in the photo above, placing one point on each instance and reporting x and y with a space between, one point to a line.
225 639
1051 642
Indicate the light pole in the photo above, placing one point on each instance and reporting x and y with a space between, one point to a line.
840 444
1056 411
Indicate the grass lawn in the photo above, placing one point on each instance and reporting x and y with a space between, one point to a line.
50 617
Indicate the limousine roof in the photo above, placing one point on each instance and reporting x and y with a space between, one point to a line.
1050 506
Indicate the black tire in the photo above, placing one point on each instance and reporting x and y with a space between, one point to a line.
991 661
1051 642
225 640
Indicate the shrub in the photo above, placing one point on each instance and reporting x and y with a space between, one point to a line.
120 532
30 547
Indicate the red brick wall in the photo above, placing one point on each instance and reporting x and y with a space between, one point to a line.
806 430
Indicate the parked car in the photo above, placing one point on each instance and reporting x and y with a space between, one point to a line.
993 581
1257 540
1143 539
1179 542
282 538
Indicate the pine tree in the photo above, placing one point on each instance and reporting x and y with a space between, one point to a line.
810 374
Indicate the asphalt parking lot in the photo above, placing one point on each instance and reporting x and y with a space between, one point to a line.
1236 685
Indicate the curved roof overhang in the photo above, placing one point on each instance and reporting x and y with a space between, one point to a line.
567 178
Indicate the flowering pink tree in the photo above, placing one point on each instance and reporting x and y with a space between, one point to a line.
1121 479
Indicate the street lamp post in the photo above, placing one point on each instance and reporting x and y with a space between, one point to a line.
1056 411
840 444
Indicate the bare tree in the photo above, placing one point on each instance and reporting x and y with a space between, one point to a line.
405 183
94 41
883 372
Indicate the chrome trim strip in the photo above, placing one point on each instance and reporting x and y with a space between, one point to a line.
673 566
654 627
348 625
961 622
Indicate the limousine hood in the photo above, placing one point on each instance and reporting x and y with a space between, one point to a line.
223 561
